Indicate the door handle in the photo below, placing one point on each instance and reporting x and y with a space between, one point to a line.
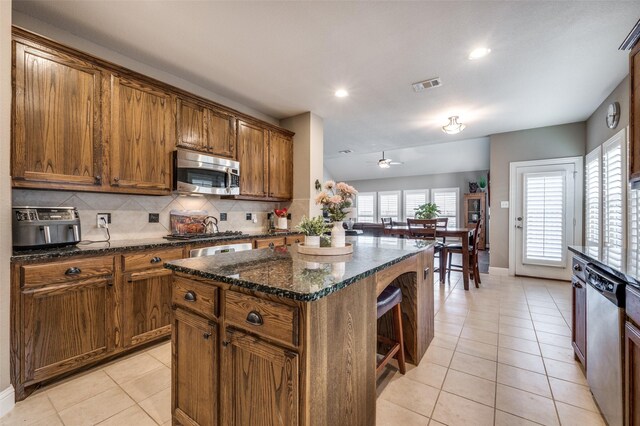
519 226
155 259
519 218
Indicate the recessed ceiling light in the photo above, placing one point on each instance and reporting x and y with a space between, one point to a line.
478 53
341 93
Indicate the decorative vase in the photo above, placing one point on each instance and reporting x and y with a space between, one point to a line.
312 240
281 223
338 270
337 234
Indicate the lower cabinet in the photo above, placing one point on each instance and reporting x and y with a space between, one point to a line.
147 306
195 365
258 374
632 357
66 326
579 320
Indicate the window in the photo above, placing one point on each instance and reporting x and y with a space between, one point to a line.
634 231
614 186
389 205
593 197
366 207
447 201
413 199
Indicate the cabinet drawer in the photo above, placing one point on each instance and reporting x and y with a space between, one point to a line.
279 322
69 270
578 266
149 259
195 296
294 239
633 304
264 243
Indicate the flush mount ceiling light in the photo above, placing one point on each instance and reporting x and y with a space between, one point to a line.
341 93
478 53
453 127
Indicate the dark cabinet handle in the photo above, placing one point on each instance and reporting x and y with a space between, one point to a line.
225 343
271 246
190 296
73 271
116 180
254 318
98 180
577 267
577 285
156 259
206 336
426 273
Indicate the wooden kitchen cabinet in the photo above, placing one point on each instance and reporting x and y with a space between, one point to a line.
256 373
632 357
205 129
195 399
252 155
57 112
142 138
280 166
634 117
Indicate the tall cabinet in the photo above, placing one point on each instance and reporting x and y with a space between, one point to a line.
474 210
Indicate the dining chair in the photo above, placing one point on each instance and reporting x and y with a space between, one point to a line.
427 229
473 256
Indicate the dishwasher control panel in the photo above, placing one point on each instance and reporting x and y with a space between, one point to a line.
609 285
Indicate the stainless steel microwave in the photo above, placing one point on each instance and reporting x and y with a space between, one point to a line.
196 173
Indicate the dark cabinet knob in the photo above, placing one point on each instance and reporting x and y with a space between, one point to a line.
98 180
576 284
225 343
116 180
190 296
426 273
271 246
156 259
73 271
254 318
206 336
577 267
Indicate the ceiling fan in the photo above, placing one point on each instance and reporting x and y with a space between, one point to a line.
385 163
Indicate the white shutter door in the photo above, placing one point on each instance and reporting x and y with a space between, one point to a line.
633 267
389 205
613 188
447 202
366 208
592 198
544 216
413 201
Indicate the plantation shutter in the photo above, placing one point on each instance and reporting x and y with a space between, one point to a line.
592 198
544 212
412 200
389 205
366 207
614 186
447 202
633 267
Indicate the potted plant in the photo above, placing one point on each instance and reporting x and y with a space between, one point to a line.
336 199
281 221
312 228
427 211
482 184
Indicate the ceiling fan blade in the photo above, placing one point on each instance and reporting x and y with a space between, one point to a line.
396 162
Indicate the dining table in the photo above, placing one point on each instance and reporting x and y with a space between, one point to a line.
464 233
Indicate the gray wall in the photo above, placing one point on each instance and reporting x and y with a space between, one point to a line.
567 140
597 130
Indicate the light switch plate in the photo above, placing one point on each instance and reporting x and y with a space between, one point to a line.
504 204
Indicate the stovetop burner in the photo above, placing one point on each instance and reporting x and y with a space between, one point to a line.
203 235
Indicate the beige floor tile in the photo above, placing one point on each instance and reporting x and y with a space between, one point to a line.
574 416
444 341
474 365
428 373
527 405
554 312
148 384
521 360
411 395
517 344
572 393
569 371
162 353
32 410
515 313
454 410
158 406
436 423
480 335
438 355
470 387
484 316
554 339
556 353
516 322
133 415
448 328
83 387
562 330
131 368
541 318
506 419
451 318
390 414
519 332
482 325
543 303
97 408
524 380
482 350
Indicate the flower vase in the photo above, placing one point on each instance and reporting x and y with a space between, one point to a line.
281 223
312 240
338 269
337 234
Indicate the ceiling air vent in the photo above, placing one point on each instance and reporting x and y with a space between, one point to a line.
427 84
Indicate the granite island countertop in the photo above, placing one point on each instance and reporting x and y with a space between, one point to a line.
284 272
129 245
625 264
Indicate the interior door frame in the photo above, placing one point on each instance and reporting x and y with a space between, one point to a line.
578 200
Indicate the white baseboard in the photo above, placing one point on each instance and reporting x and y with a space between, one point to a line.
498 271
7 400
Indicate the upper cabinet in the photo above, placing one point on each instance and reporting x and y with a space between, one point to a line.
280 165
56 133
252 154
634 117
205 129
141 136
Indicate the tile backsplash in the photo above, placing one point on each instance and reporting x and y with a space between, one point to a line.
130 213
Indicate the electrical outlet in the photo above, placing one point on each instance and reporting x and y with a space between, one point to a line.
103 220
289 216
154 217
249 216
223 217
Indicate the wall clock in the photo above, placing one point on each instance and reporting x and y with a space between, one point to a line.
613 115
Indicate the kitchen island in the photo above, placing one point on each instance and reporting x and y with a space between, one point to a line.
272 336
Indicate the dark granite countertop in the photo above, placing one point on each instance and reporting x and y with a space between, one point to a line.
286 273
625 264
126 246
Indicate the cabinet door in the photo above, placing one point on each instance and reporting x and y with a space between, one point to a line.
190 124
252 155
67 326
195 370
634 115
221 129
141 136
56 137
147 306
257 374
280 166
632 374
579 320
